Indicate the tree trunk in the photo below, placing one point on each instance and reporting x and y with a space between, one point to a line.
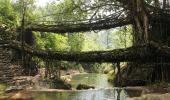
144 32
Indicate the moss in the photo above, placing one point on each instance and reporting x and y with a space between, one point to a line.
81 69
2 88
111 75
60 84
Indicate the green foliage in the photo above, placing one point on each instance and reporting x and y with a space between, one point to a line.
11 13
51 42
8 20
30 10
90 42
76 41
2 88
66 10
122 37
7 14
108 39
111 75
97 67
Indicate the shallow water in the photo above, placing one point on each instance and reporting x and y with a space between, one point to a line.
101 94
97 80
103 90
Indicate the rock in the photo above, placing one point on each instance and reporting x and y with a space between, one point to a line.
84 86
60 84
66 78
106 71
13 89
4 97
152 97
136 83
67 73
21 96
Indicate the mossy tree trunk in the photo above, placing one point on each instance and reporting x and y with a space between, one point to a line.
146 29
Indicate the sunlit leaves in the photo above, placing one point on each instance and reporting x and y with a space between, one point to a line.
51 42
66 10
122 37
7 14
8 20
76 41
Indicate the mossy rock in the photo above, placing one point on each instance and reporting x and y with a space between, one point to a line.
60 84
84 86
111 76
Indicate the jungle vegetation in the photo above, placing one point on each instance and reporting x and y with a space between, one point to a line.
144 23
11 18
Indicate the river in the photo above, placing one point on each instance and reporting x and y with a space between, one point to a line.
103 90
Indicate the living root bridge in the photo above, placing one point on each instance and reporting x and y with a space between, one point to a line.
81 27
145 53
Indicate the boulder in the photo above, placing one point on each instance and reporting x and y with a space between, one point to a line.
84 86
60 84
14 89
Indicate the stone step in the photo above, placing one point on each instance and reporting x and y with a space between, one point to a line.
6 75
4 54
9 70
6 79
6 58
3 78
5 72
5 62
4 68
4 49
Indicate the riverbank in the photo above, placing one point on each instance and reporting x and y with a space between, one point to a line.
152 92
153 96
102 89
133 93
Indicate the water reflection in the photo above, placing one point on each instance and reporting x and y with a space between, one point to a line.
97 80
101 94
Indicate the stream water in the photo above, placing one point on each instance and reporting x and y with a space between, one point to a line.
103 90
